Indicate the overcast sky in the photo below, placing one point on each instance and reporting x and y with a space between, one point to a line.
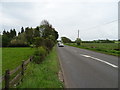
95 19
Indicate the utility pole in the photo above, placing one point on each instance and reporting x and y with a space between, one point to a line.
78 33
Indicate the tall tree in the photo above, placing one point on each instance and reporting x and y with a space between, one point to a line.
37 32
48 31
19 33
29 35
14 32
4 32
22 30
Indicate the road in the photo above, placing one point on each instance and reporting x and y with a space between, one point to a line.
88 69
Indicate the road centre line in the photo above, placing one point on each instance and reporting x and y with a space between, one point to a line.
100 60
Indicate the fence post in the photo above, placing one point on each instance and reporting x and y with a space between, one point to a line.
7 78
22 72
31 58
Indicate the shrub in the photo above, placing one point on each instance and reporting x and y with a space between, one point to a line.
18 43
39 54
78 41
49 44
38 41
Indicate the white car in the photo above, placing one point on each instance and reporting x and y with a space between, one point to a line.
60 44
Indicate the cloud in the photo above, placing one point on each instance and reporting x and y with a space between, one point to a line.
59 1
66 16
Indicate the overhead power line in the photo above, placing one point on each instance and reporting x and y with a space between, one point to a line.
102 24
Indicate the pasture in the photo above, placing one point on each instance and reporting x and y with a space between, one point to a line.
12 57
107 48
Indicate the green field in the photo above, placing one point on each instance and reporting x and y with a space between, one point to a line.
12 57
107 48
0 66
44 75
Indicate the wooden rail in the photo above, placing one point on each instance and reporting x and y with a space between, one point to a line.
18 77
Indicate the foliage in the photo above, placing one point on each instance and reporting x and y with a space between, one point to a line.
18 43
5 41
37 32
44 75
39 54
22 30
38 41
65 40
7 37
78 41
48 43
48 31
31 36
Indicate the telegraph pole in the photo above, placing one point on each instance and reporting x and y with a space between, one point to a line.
78 33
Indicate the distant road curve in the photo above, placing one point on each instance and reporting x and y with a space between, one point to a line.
88 69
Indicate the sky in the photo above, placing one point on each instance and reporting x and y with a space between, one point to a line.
95 19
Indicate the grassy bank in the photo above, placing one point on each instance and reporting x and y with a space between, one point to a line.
44 75
12 57
106 48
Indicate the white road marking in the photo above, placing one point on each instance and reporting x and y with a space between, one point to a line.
100 60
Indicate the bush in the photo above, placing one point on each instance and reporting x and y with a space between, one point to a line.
78 41
18 43
39 54
38 41
49 44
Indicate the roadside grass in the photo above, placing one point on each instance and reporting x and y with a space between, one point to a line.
106 48
12 57
44 75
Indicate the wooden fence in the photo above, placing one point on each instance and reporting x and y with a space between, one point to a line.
17 78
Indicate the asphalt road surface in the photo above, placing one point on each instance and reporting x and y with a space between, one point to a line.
88 69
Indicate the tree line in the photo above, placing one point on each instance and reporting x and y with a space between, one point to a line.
43 34
79 41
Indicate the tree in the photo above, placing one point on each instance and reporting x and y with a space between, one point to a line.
56 35
4 32
65 40
78 41
22 30
49 43
38 41
44 35
5 40
29 35
37 32
21 37
45 22
14 32
19 33
48 31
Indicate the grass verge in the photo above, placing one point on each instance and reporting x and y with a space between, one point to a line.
44 75
98 48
